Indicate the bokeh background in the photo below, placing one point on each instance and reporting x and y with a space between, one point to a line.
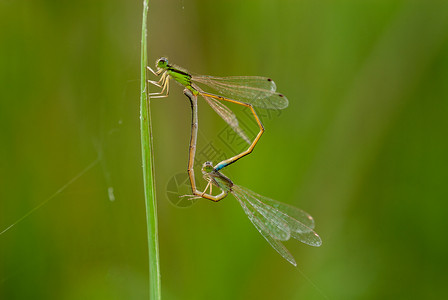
362 147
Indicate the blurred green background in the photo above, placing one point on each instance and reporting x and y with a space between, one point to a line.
362 147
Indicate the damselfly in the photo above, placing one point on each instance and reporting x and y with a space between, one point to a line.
248 91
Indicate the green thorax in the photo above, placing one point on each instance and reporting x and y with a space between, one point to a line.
181 76
217 178
222 182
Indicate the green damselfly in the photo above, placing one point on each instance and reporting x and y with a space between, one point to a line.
248 91
275 221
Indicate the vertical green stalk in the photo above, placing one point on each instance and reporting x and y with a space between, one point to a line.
148 169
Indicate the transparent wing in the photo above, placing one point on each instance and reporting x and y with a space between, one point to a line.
256 90
292 211
273 225
298 230
227 115
264 228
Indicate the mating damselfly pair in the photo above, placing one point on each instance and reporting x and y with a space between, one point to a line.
275 221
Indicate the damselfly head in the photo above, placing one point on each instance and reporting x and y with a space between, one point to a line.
207 167
162 63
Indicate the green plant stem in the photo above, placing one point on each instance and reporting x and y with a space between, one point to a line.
148 169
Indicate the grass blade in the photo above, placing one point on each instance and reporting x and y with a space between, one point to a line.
148 169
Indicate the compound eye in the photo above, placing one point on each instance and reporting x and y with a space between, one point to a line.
207 164
207 167
162 63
